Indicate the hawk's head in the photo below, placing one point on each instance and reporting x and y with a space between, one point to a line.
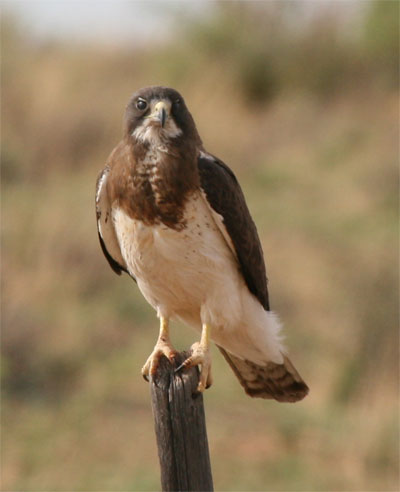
158 116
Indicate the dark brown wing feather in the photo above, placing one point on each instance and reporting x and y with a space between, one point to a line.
105 227
226 198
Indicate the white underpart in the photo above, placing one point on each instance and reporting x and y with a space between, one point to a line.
219 222
193 275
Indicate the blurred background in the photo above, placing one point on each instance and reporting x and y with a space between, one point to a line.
301 100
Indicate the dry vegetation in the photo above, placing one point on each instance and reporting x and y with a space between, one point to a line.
308 119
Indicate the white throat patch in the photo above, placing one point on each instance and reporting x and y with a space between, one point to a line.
155 135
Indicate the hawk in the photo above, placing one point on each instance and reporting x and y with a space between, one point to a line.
174 218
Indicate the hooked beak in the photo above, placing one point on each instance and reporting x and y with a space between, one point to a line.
161 112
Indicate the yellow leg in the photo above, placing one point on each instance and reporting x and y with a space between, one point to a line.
162 347
164 330
201 356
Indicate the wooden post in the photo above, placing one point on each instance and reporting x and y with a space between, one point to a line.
180 428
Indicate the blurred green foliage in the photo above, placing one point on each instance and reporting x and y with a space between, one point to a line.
306 113
381 40
282 54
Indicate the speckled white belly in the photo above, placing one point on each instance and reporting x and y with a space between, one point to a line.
191 274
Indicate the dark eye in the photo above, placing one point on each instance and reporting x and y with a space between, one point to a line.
141 104
177 102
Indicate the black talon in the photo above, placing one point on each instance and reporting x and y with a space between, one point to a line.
153 379
182 366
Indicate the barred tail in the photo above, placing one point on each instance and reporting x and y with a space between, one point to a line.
273 381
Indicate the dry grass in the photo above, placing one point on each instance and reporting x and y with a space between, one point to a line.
321 181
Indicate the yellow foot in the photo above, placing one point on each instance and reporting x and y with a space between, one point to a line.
200 356
161 348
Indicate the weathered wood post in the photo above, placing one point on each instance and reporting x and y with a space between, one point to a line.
180 428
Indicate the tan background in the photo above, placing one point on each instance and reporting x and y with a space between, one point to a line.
301 100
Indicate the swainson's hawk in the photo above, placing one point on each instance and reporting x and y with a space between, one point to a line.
174 218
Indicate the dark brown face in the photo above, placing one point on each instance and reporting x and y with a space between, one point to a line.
156 115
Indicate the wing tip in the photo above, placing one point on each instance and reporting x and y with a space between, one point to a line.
117 268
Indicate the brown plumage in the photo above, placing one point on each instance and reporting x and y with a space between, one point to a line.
226 198
154 177
278 381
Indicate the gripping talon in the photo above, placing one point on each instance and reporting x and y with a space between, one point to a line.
172 357
200 356
163 347
185 364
